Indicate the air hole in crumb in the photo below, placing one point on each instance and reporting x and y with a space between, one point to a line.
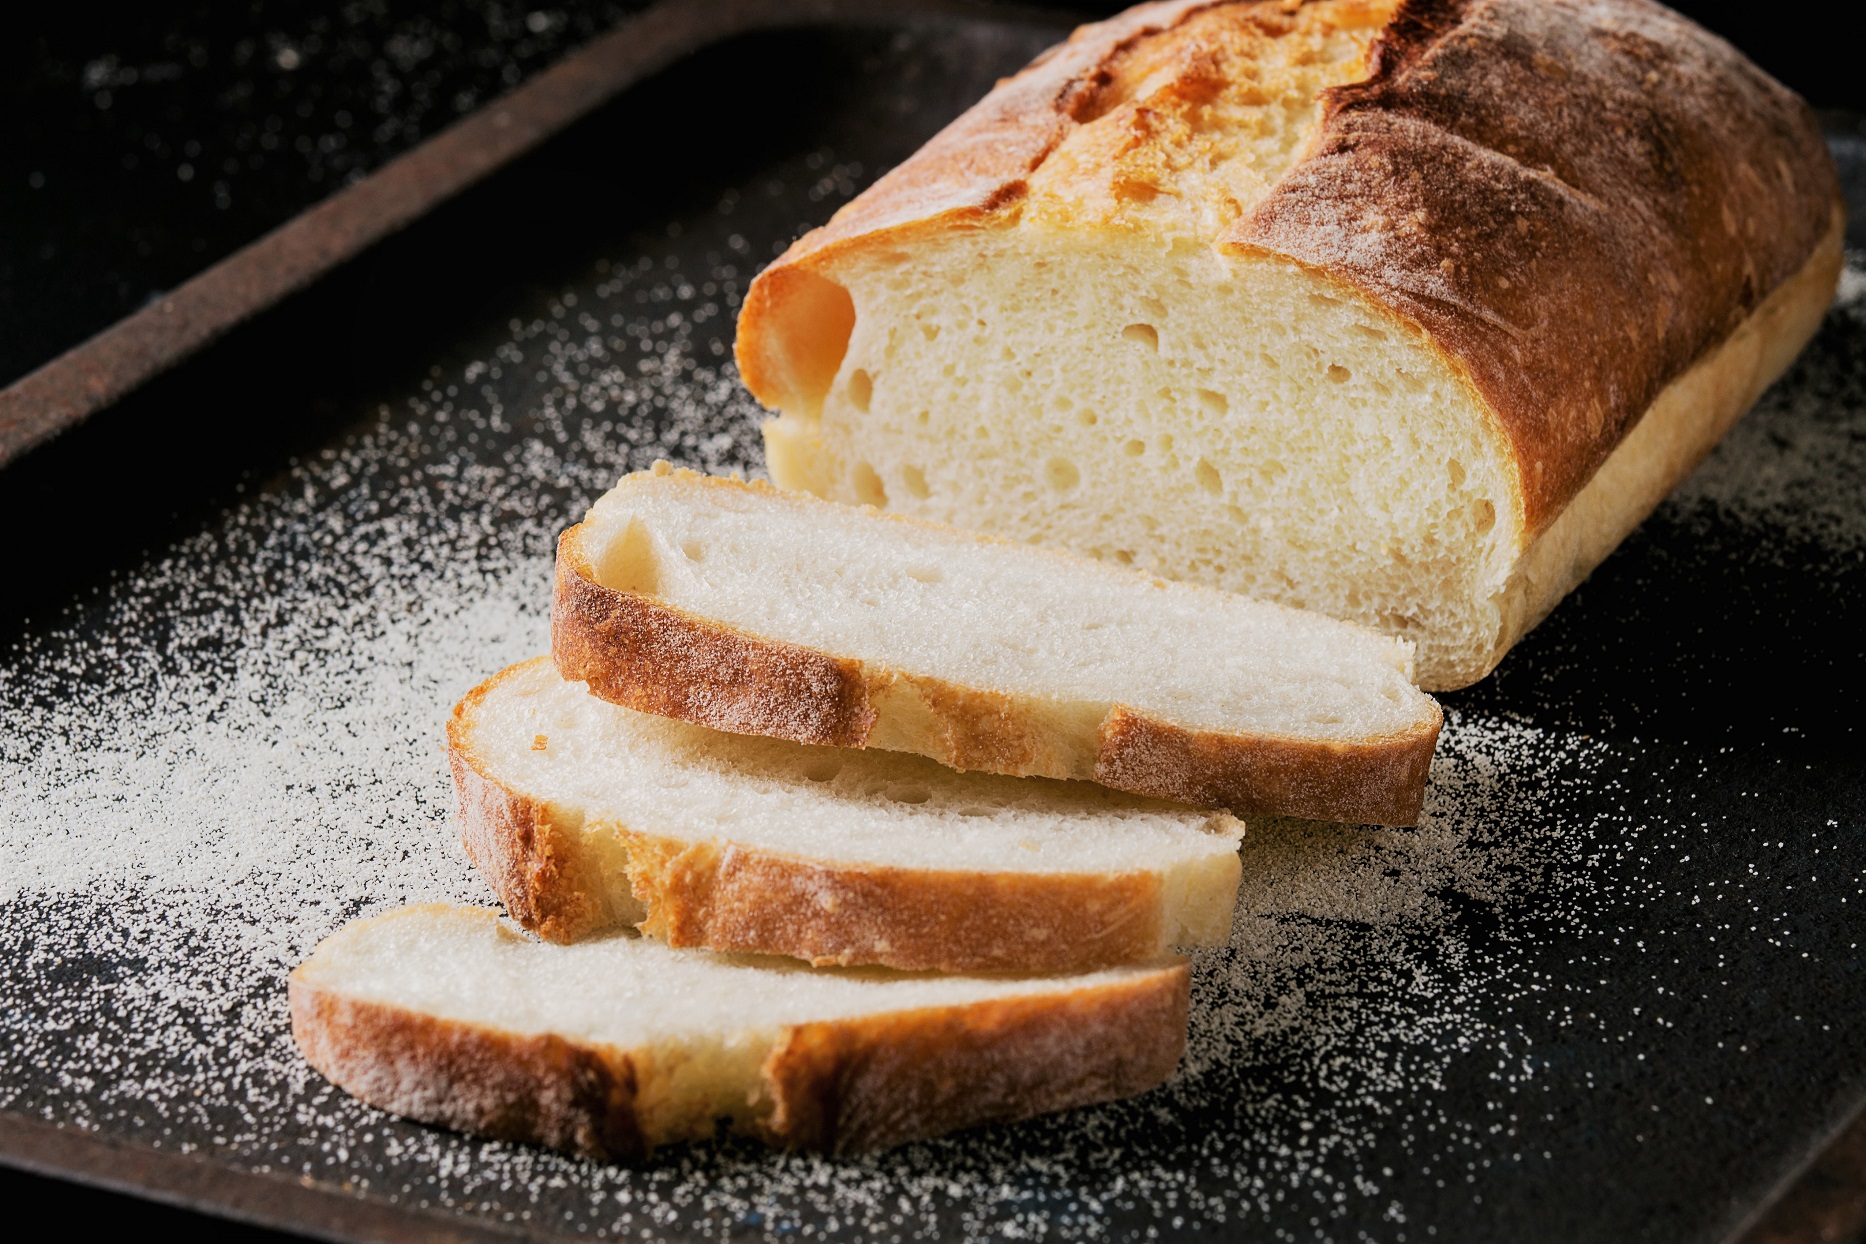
1088 418
974 810
1456 470
923 416
1323 300
1135 448
1484 516
861 389
1061 474
694 550
1166 442
822 768
1153 307
1146 334
930 331
1338 374
927 574
868 488
1368 330
1062 401
539 743
1214 401
916 481
1208 477
910 792
1124 557
630 564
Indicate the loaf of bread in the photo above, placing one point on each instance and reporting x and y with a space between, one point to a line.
613 1046
583 815
747 609
1403 312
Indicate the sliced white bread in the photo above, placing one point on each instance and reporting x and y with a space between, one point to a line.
611 1047
583 815
747 609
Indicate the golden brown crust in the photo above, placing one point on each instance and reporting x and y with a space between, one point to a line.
644 655
968 173
1682 426
731 898
1379 782
869 1083
528 859
541 1090
635 651
971 729
1574 198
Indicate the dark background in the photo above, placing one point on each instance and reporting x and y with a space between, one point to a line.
144 142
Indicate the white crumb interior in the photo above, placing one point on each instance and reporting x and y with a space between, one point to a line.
942 603
554 741
1231 421
465 964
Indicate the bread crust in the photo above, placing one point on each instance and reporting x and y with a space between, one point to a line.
541 1090
1571 265
1676 433
641 653
973 172
733 898
522 849
861 1083
1383 784
879 1081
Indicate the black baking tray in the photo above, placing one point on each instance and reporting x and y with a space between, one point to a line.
1610 990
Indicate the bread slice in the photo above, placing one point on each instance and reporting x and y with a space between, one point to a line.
1405 314
611 1047
747 609
583 815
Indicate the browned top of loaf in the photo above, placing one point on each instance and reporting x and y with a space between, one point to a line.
1573 198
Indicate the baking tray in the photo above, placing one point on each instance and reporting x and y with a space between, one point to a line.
1609 990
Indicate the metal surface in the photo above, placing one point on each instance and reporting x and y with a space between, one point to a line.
333 1212
1609 991
1824 1201
167 330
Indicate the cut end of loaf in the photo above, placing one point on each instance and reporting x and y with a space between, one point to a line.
1101 367
1227 420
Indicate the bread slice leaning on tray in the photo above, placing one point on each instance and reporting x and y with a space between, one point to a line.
748 609
583 815
614 1046
1403 312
